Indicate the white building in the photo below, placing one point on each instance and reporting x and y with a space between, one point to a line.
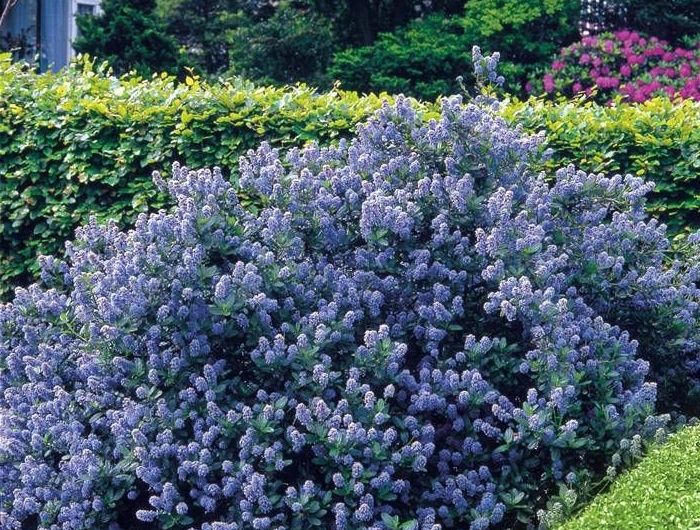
44 28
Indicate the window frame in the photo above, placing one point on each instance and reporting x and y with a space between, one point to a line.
73 26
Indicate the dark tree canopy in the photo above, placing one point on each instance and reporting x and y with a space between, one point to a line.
667 19
200 27
305 32
129 36
671 20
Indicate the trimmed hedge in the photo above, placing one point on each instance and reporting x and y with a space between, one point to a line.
662 492
81 143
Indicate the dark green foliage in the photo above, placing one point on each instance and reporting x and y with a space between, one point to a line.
293 40
129 36
200 27
294 44
424 58
526 32
667 19
281 41
670 20
602 15
358 22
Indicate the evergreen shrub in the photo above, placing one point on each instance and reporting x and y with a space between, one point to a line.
412 330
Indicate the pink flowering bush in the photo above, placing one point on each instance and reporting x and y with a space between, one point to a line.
623 63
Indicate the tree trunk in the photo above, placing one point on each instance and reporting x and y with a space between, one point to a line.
360 13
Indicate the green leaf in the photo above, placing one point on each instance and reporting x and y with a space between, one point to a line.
391 522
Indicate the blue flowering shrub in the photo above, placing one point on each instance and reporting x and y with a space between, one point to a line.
410 331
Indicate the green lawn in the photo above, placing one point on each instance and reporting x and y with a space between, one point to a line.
662 492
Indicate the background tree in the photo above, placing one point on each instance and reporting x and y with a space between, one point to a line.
424 57
671 20
667 19
200 27
276 40
294 42
364 20
130 36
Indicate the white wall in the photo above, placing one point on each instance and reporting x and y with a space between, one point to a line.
76 7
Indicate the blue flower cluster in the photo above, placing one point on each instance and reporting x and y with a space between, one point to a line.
409 330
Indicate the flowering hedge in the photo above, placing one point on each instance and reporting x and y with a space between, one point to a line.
623 63
412 331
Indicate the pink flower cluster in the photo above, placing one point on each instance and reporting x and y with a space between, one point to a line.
626 63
